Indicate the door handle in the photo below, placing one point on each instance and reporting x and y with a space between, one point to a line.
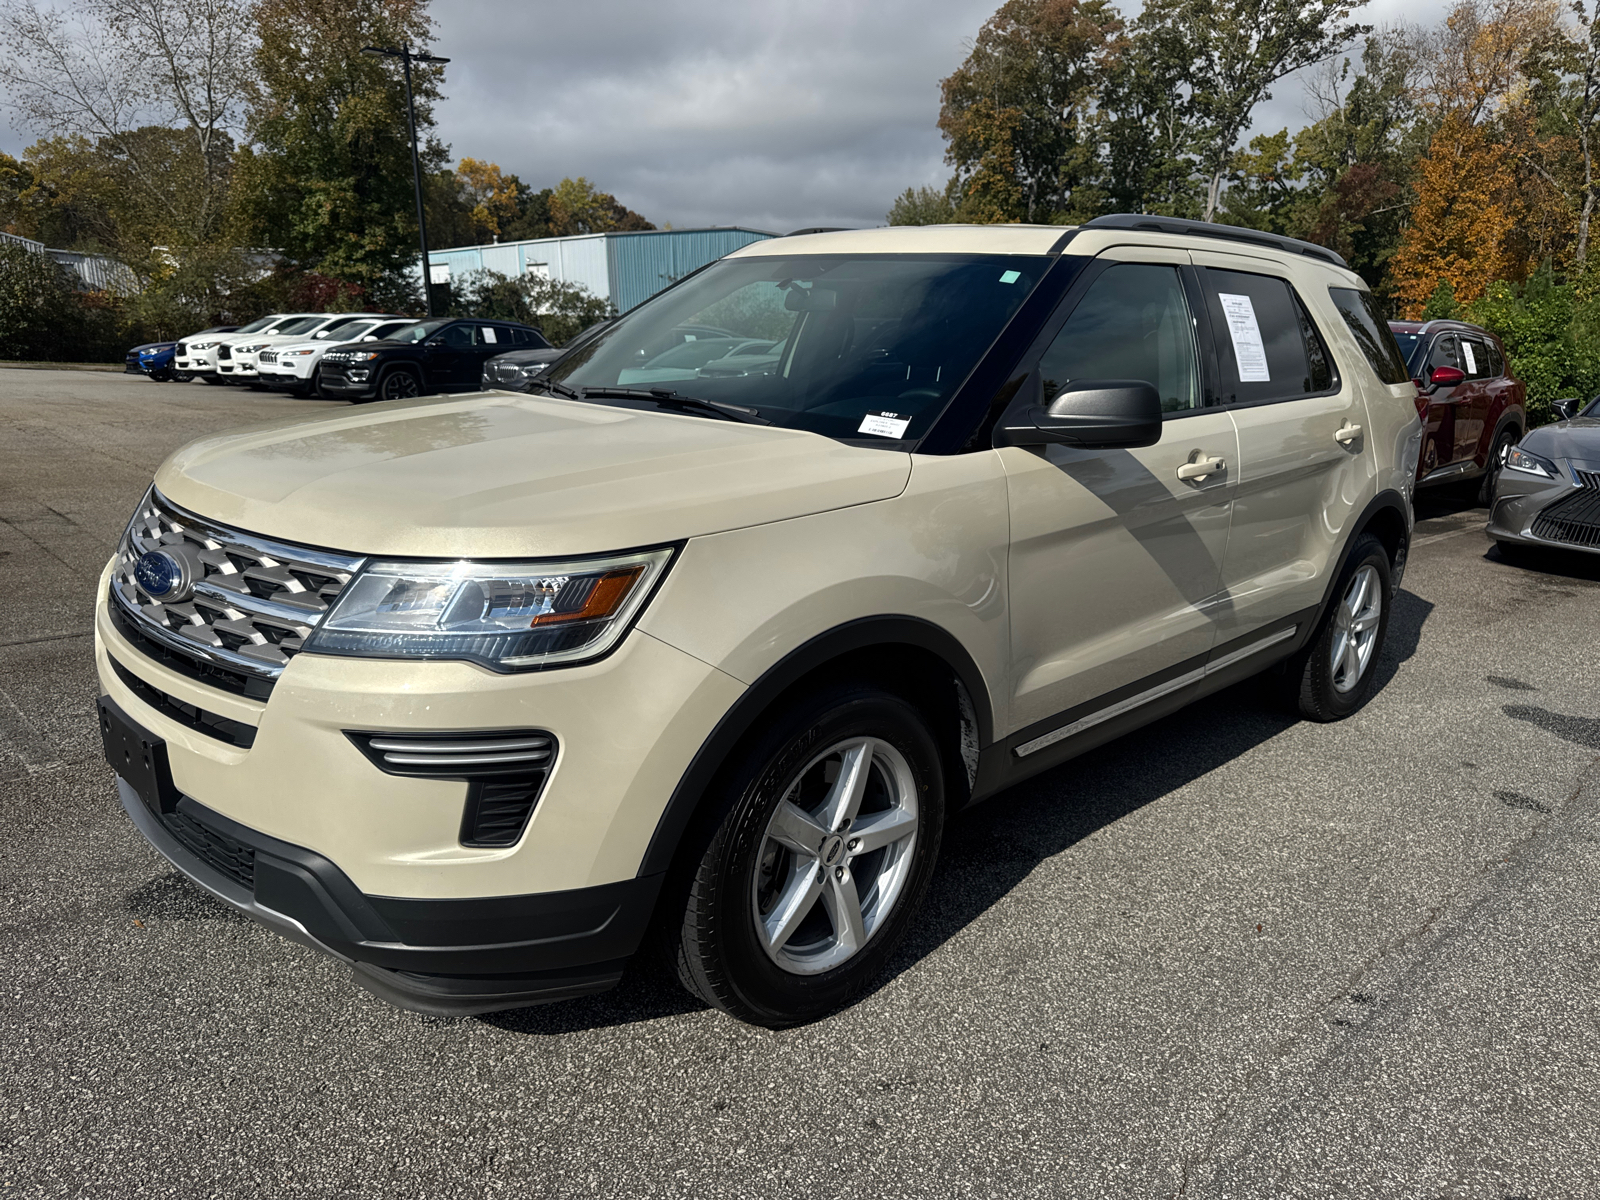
1347 433
1200 468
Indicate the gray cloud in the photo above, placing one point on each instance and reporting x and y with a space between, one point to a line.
775 115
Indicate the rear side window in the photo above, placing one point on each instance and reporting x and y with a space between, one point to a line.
1361 317
1476 356
1267 346
1133 323
1497 364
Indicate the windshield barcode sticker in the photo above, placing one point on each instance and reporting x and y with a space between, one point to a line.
1248 349
884 424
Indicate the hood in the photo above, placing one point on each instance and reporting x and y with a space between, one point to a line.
499 475
1577 440
546 355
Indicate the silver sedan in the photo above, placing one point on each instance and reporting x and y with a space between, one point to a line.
1548 489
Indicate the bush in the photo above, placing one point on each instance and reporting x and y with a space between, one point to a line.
559 310
43 316
1551 335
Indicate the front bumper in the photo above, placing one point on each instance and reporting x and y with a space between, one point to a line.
1533 511
445 957
338 381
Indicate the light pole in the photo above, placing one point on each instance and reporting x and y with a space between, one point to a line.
406 58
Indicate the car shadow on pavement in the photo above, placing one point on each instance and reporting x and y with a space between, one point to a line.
993 847
1536 560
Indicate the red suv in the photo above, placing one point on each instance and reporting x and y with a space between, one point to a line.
1470 402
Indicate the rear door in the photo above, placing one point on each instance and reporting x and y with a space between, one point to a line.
1439 424
1474 398
1304 471
1115 557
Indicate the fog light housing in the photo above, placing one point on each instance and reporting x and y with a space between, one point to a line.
359 376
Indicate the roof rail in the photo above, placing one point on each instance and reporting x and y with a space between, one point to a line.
1232 233
817 229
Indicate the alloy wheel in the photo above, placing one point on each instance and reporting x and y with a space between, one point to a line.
402 385
1355 626
835 856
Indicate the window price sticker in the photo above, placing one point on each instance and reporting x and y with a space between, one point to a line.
884 424
1248 350
1472 363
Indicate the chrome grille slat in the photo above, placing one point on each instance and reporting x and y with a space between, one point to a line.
463 760
227 622
411 745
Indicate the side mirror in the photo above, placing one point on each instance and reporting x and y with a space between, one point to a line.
1569 408
1093 414
1444 377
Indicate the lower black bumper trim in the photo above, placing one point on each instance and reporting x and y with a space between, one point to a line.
482 954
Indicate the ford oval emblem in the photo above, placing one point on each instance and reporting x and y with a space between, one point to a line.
161 576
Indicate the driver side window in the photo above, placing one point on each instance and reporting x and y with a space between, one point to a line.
1133 323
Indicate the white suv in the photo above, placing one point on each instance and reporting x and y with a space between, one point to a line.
201 354
482 694
293 364
240 363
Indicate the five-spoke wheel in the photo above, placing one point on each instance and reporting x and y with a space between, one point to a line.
1355 629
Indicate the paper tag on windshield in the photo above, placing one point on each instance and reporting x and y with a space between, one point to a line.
1248 350
1472 363
884 424
488 335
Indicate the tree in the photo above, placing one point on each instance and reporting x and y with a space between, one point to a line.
1564 66
1017 114
328 179
489 195
1234 51
922 206
575 206
560 310
155 87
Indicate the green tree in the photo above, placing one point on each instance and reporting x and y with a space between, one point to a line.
327 181
1233 51
922 206
560 310
1017 114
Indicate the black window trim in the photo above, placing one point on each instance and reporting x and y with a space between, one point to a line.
1337 385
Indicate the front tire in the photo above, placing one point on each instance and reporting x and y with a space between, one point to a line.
830 827
1333 675
399 384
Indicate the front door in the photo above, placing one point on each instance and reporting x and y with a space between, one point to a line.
1116 554
1304 470
448 356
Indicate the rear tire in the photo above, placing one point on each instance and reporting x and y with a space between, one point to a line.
1333 675
401 383
805 886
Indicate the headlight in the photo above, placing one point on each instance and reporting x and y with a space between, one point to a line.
358 355
296 353
506 616
254 348
202 345
1518 459
532 369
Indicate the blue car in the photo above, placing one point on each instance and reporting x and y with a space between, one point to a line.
154 359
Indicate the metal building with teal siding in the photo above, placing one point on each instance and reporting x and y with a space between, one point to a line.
627 268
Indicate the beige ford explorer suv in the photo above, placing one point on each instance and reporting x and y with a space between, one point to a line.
485 695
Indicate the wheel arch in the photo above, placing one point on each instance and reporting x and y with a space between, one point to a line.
1387 517
916 659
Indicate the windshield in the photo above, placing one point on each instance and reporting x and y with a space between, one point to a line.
418 332
347 330
847 346
257 326
1408 345
303 325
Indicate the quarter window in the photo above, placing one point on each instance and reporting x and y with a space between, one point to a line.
1372 333
1133 323
1267 346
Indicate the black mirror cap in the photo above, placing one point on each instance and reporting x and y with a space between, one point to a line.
1568 408
1091 414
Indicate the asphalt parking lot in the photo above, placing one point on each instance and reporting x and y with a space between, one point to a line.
1233 955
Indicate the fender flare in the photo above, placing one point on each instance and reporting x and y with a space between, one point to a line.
1386 499
859 634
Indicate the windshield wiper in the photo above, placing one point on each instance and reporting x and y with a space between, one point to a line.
555 387
670 399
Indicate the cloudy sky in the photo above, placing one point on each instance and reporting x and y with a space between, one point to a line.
775 115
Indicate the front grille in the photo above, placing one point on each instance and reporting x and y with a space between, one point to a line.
1587 479
505 770
234 859
254 601
1574 519
267 356
182 350
224 352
